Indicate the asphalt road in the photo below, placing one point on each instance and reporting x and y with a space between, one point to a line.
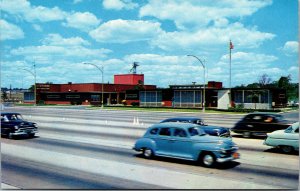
83 149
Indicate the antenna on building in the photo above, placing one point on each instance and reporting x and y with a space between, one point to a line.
134 66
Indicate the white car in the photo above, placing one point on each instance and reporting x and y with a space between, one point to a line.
287 140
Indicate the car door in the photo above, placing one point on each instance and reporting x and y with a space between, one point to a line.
291 137
256 124
181 143
5 125
163 142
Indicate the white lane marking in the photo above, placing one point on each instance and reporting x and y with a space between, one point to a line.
7 186
100 142
247 157
150 175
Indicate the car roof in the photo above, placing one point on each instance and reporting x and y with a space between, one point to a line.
264 113
10 113
174 124
183 118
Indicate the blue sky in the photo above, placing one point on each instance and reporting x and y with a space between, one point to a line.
60 35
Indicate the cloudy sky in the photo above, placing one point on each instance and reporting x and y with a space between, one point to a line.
60 35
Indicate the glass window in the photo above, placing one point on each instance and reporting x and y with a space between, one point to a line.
180 133
165 132
297 130
238 97
193 131
289 129
154 131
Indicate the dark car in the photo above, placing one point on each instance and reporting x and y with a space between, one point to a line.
13 124
211 130
260 124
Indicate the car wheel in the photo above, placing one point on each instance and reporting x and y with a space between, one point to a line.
286 149
208 159
31 135
148 153
10 136
246 134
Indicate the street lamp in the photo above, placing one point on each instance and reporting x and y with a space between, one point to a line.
203 106
101 70
34 75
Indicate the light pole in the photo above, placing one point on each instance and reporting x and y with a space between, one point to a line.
34 75
203 105
101 70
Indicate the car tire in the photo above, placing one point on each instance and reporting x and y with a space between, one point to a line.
286 149
31 135
246 134
208 159
147 153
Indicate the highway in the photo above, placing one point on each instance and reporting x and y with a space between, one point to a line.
92 149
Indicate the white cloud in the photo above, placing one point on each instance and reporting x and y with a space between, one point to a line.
203 12
291 47
83 21
37 27
240 36
57 40
10 31
23 9
249 58
124 31
119 4
59 52
77 1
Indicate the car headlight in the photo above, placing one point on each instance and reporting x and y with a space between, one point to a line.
35 125
16 127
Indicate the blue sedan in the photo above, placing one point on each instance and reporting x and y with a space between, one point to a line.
186 141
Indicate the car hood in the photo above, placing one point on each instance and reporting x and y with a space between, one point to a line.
23 123
216 131
214 139
277 134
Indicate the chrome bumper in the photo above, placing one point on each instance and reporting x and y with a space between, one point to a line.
24 132
221 160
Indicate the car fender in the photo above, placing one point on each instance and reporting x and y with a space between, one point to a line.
200 147
145 143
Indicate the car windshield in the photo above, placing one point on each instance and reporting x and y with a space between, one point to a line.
290 128
196 131
14 117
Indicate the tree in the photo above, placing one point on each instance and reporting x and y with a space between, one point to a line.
264 80
4 96
284 82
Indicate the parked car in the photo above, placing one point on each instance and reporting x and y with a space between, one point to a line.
186 141
260 123
287 140
13 124
211 130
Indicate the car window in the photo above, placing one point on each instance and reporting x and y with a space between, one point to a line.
193 131
289 129
154 131
199 122
165 132
180 133
4 118
268 119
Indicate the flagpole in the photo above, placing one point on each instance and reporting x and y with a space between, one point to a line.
230 47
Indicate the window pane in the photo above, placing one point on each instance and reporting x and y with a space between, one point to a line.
165 132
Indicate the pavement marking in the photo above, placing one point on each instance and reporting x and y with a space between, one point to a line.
150 175
247 157
8 187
